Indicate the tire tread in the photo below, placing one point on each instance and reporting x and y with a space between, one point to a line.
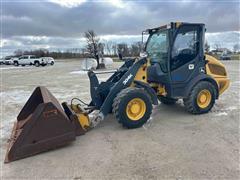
117 100
189 102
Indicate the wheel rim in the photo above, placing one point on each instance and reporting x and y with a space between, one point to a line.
136 109
204 98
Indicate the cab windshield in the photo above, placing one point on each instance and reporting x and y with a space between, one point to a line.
157 48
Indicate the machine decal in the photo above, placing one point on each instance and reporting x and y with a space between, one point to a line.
127 79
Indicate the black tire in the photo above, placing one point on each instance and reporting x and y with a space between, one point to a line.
52 63
120 104
191 103
15 63
166 100
36 63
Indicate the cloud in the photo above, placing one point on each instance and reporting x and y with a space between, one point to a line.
223 39
14 18
36 42
117 3
68 3
76 3
112 17
61 23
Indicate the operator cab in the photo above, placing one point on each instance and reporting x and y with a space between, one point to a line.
176 53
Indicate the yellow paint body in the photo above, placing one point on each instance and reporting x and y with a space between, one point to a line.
142 74
83 120
178 24
204 98
217 71
82 117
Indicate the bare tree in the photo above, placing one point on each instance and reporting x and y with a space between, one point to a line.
93 42
101 47
136 48
114 49
18 52
123 49
217 46
207 47
109 47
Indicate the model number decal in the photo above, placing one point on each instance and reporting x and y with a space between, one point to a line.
127 79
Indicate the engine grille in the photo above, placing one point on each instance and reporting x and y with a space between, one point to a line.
218 70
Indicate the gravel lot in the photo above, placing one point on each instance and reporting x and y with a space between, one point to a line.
173 145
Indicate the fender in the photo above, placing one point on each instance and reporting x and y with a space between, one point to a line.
201 77
149 90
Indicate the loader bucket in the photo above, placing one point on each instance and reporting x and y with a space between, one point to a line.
41 125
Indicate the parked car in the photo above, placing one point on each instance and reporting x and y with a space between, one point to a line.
14 59
8 60
1 61
29 60
49 60
225 57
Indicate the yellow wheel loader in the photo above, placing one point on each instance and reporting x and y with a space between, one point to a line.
173 67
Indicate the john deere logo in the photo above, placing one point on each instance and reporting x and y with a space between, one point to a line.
127 79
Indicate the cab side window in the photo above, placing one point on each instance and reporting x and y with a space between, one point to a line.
185 48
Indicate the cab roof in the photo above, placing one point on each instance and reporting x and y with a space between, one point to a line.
171 25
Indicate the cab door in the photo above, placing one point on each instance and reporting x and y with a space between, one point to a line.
185 57
21 60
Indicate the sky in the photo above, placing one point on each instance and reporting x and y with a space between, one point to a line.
60 24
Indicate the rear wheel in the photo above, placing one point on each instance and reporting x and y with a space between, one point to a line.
201 98
166 100
132 107
15 63
37 64
52 63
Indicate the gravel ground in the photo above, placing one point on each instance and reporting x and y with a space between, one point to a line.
172 145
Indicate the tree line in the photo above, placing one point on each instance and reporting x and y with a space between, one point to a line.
94 48
109 48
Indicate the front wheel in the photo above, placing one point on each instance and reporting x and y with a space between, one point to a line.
52 63
132 107
201 99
